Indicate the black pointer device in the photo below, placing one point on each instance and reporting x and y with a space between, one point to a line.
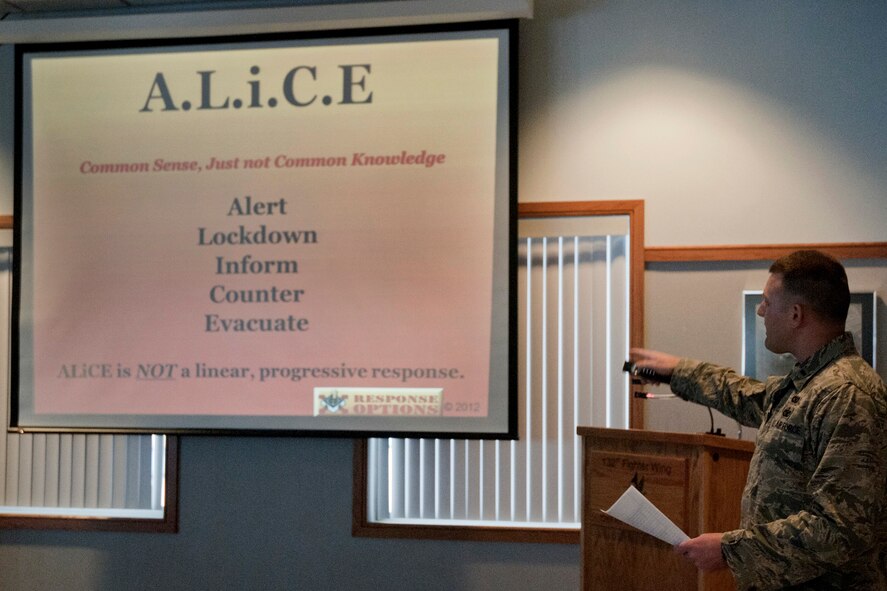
645 372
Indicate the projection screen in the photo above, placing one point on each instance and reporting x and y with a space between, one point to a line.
294 234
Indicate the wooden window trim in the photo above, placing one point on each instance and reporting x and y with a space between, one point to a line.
761 252
362 527
169 523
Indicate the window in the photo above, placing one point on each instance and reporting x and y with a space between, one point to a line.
83 481
579 282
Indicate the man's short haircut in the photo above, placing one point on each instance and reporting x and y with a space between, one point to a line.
818 279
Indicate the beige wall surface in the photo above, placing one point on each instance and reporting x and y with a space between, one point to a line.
732 132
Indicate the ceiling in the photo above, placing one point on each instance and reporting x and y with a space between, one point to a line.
28 9
60 21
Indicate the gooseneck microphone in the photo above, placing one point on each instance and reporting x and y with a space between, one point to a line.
649 374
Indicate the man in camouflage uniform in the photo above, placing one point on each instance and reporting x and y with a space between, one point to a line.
814 509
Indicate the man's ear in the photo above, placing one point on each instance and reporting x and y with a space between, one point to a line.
799 314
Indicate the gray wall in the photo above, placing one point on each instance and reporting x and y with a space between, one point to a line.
738 123
265 514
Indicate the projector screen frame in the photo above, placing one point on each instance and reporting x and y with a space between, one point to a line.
506 426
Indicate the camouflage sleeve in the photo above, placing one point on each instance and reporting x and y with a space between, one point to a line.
845 496
721 388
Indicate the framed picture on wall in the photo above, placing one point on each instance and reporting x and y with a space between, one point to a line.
759 363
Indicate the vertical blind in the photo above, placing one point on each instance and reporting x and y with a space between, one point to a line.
83 475
79 475
573 337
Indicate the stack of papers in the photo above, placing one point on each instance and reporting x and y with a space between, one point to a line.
634 509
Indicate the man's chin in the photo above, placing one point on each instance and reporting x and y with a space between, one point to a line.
769 346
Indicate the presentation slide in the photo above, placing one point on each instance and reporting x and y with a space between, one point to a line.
267 235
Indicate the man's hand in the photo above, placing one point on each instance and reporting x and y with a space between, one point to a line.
661 363
703 551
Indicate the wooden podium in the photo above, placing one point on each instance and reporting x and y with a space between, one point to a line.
695 479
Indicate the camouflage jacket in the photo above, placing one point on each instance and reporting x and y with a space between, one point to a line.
814 509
